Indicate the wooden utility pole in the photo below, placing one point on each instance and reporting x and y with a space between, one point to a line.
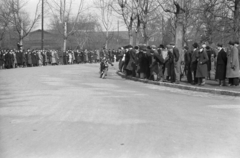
42 44
118 35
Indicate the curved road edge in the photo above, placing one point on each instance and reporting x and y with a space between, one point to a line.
180 86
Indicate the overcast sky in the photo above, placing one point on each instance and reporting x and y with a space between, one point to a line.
32 4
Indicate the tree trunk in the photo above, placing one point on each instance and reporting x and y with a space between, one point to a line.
106 42
179 29
21 37
236 21
130 36
65 37
138 31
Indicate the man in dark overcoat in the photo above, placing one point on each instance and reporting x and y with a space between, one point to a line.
187 62
194 62
221 65
131 65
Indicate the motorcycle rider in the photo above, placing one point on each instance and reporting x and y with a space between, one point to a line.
104 67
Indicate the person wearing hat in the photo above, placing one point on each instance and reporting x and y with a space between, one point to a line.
187 62
177 64
202 59
142 62
169 73
237 45
211 56
233 65
127 59
1 59
131 65
194 53
221 65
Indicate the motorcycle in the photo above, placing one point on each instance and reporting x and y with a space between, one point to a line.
104 69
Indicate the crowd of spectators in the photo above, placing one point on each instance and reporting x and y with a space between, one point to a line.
197 64
32 58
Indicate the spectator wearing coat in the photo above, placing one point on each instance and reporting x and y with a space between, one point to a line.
187 62
211 56
26 58
49 57
237 45
131 65
65 61
70 58
14 59
98 55
177 67
54 58
1 60
40 57
169 65
233 65
29 57
221 65
121 59
194 63
159 58
9 59
19 56
86 56
202 71
142 62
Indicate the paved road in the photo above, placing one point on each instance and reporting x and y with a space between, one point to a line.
68 112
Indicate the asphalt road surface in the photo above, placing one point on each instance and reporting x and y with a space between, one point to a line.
69 112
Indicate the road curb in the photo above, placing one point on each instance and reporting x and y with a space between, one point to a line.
184 87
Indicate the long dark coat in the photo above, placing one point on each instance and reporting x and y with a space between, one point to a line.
9 59
187 68
221 65
202 70
34 59
26 58
23 58
131 65
148 63
49 57
19 58
194 60
1 59
142 62
169 64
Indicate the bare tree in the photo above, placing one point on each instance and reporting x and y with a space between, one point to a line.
127 11
105 7
85 27
17 18
63 20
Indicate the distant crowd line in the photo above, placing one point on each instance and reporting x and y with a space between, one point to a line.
32 58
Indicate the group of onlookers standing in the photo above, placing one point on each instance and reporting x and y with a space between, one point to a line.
86 56
30 58
167 64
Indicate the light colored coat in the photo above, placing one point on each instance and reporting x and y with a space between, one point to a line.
232 62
